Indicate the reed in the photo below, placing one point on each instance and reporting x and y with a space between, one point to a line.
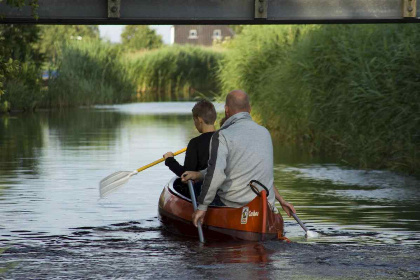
175 73
351 90
89 72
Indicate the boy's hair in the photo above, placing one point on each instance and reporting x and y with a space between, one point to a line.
205 110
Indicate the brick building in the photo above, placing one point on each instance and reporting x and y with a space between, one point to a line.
200 34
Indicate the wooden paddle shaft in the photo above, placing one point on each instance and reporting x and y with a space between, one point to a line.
194 203
159 161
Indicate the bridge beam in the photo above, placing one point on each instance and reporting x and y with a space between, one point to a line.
214 11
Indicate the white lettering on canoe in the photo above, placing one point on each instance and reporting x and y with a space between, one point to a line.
244 216
253 214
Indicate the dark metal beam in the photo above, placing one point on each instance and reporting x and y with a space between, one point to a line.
212 11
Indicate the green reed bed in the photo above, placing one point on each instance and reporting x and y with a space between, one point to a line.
176 73
89 72
351 90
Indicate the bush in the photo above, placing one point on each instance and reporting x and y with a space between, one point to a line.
351 90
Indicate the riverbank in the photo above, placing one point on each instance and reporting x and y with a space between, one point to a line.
350 90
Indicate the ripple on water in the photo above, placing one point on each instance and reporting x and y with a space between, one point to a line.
141 249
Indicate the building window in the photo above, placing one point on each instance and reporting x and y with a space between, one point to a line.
193 34
217 34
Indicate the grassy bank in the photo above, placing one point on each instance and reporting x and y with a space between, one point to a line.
175 73
89 72
95 72
350 90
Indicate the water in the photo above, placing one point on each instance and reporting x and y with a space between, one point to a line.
53 224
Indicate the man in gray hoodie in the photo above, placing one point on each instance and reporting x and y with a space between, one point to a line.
240 151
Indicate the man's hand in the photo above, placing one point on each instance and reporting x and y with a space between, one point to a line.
191 175
168 154
198 215
288 208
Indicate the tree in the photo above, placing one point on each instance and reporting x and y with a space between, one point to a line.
9 65
137 37
55 35
20 66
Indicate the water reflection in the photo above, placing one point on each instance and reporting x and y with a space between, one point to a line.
20 141
377 206
52 163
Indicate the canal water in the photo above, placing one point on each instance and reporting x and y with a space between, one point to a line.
53 224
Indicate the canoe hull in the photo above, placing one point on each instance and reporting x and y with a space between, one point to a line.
253 222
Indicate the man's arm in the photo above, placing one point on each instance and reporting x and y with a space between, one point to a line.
287 207
215 174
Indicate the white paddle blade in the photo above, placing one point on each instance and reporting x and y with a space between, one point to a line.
113 182
312 234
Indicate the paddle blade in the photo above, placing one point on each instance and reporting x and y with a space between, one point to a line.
113 182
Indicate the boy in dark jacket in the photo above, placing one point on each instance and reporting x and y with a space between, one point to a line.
197 154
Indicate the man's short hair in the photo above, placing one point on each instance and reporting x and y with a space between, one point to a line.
205 110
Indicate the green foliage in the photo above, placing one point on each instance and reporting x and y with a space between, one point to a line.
53 36
347 89
176 73
89 72
20 64
138 37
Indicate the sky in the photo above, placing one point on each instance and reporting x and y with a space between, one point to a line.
113 32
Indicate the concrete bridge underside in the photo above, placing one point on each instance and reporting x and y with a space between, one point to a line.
214 11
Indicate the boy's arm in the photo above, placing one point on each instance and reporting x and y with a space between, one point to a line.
174 166
177 168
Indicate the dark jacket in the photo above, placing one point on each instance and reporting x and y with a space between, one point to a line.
196 157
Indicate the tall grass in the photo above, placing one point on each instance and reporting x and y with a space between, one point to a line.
89 72
352 90
175 73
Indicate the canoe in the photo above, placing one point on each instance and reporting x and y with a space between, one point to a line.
252 222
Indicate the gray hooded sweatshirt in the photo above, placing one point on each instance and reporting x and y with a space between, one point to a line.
240 151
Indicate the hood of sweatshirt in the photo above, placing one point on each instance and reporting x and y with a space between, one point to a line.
237 117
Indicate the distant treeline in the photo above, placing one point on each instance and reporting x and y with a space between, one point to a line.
353 90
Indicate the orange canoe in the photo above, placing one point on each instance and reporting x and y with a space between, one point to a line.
254 221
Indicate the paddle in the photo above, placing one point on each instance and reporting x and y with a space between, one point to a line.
118 179
194 203
309 233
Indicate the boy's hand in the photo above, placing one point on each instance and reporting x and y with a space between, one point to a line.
191 175
168 154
